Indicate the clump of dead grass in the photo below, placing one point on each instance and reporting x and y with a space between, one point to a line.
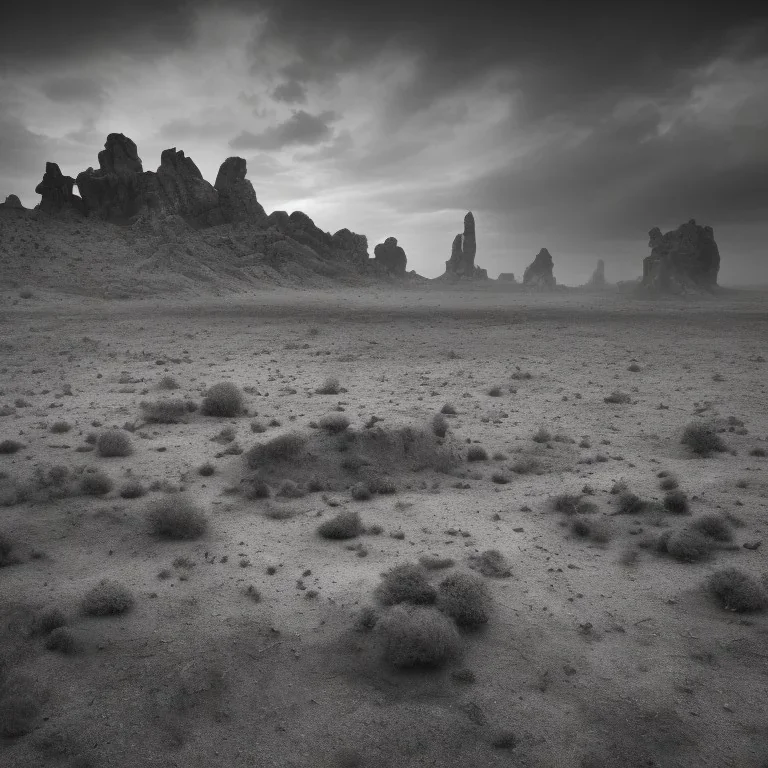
737 591
418 636
224 400
176 517
107 598
405 583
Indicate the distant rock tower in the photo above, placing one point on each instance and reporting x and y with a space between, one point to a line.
598 276
540 272
463 251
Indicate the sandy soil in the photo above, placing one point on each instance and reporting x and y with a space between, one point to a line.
587 660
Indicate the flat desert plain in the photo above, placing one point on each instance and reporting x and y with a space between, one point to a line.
256 641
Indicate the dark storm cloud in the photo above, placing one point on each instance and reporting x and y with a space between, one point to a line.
301 128
74 90
292 92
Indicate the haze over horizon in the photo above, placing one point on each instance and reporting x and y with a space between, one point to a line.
575 128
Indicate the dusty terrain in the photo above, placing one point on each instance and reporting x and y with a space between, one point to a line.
589 659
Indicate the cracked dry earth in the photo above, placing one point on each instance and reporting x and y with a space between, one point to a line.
592 657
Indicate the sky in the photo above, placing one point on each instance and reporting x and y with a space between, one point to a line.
575 127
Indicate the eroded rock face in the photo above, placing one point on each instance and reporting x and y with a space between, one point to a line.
56 190
178 188
12 202
391 256
237 198
507 277
351 246
684 260
463 251
539 273
598 276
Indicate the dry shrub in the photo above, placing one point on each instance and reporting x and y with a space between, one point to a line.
433 563
46 621
360 492
565 503
464 598
166 411
206 470
714 526
60 427
19 706
526 466
334 423
440 425
703 439
258 489
418 636
676 503
541 435
176 517
168 382
113 443
345 525
629 503
280 448
477 453
330 386
223 399
95 483
366 618
737 591
448 409
405 583
290 490
63 640
107 598
589 528
668 483
618 397
10 446
686 545
491 563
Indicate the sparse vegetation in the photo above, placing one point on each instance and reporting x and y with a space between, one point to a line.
334 423
95 483
676 503
433 563
758 452
63 640
619 398
494 392
168 382
345 525
206 470
737 591
464 598
330 386
668 483
176 517
439 425
490 563
60 427
629 503
165 411
418 636
10 446
448 409
528 465
46 621
590 528
686 545
714 526
290 490
703 439
405 583
541 435
279 448
360 492
113 443
6 551
565 503
223 399
477 453
107 598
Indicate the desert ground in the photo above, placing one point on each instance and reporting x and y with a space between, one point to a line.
259 642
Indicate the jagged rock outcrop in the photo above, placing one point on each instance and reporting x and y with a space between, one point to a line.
237 198
684 260
56 191
351 246
507 277
463 251
598 276
391 257
539 273
12 203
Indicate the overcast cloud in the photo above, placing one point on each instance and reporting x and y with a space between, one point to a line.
576 128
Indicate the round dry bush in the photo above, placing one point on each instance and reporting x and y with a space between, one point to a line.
10 446
133 489
381 484
366 618
279 448
440 425
290 490
464 598
737 591
477 453
668 483
703 439
565 503
48 620
206 470
258 489
60 427
176 517
629 504
107 598
62 639
95 484
418 637
676 503
334 423
449 409
688 546
114 443
360 492
345 525
406 583
490 563
223 399
714 526
168 382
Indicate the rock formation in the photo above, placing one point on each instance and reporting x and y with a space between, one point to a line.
56 190
539 273
237 198
598 276
682 261
507 277
463 251
12 203
391 256
351 246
